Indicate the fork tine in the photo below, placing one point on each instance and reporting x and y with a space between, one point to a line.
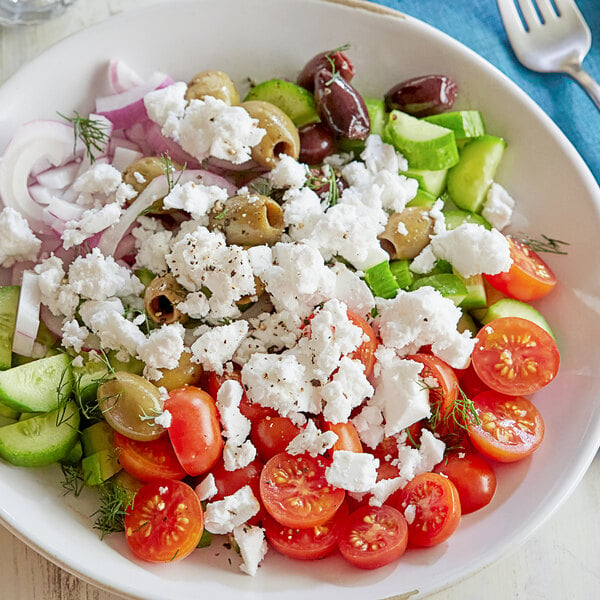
529 13
510 17
546 10
566 7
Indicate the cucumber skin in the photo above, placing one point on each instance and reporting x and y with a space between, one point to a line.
509 307
39 442
9 301
15 393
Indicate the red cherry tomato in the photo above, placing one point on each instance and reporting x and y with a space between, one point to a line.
528 278
510 427
195 431
164 522
272 435
435 506
470 383
366 351
515 356
148 461
309 543
348 438
473 477
373 537
296 493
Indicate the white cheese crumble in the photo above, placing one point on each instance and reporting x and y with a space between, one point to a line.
207 488
237 456
352 471
164 419
162 349
90 222
223 516
252 545
18 242
195 199
236 427
498 207
217 346
74 335
287 173
312 441
152 244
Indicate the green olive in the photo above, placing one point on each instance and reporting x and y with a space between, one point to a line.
161 298
249 220
281 134
129 404
213 83
416 228
185 373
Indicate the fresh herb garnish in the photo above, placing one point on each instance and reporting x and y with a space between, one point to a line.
73 482
169 169
114 501
546 244
330 182
94 133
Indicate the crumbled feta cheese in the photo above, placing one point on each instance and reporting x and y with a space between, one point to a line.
369 425
412 461
217 346
207 488
236 427
424 262
498 207
276 331
99 277
166 106
253 547
223 516
287 173
384 488
311 441
162 349
352 471
422 317
410 512
77 362
102 184
238 456
74 335
90 222
352 290
473 249
18 242
164 419
152 246
439 218
195 199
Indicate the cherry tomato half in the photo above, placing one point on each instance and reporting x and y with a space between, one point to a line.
309 543
431 505
373 536
165 521
510 427
272 435
366 351
515 356
348 438
473 477
195 431
528 278
296 493
148 461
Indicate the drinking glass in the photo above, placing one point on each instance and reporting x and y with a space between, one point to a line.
21 12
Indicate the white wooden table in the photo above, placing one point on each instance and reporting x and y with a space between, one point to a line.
561 561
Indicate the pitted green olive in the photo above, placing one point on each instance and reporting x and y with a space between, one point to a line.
142 171
185 373
281 134
249 220
213 83
129 404
161 299
407 232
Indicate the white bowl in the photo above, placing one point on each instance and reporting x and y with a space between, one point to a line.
556 195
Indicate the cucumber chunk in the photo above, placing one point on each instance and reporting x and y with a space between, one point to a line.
96 437
476 296
400 269
457 217
377 115
422 198
38 386
447 284
464 123
470 180
509 307
41 440
433 182
296 102
425 145
9 301
74 456
100 466
9 413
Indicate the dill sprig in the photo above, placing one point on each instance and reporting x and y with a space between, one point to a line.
261 186
94 133
73 482
316 182
330 53
114 501
169 169
546 244
458 415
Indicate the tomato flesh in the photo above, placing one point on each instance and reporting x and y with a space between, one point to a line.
148 461
515 356
431 505
164 522
473 477
195 431
510 427
366 351
348 438
296 493
374 536
528 278
272 435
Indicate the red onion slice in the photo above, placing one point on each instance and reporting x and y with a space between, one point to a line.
28 315
121 77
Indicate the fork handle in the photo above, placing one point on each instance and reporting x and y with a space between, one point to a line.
585 80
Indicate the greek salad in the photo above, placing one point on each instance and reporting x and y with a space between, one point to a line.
288 316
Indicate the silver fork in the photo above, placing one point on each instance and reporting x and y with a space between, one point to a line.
555 43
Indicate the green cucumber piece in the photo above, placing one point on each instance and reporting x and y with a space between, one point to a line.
433 182
87 378
9 302
425 145
422 198
402 274
41 440
509 307
38 386
441 266
447 284
74 455
9 413
464 123
100 466
457 217
96 437
146 276
476 296
382 282
466 323
296 102
377 114
470 180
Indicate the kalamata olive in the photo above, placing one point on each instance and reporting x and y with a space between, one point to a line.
332 60
422 96
341 107
316 143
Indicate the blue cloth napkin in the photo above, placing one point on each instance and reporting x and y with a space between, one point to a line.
477 24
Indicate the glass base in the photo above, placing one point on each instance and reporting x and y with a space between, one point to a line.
24 12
